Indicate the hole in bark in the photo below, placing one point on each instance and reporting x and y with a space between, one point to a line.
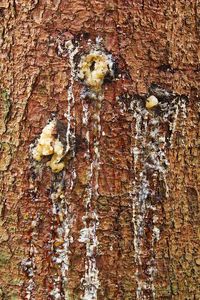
92 66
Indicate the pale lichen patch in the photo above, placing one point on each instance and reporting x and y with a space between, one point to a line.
49 144
94 67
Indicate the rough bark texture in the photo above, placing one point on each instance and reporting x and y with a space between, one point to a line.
143 236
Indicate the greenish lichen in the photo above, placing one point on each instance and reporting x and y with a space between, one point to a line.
4 257
6 103
6 155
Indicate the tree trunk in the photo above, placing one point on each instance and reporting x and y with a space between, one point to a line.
111 209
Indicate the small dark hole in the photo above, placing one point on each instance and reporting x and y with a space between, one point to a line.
92 66
1 12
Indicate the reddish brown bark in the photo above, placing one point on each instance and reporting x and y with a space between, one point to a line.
151 41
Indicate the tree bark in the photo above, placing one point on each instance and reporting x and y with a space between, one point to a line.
121 219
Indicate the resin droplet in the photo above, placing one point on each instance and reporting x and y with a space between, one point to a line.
151 102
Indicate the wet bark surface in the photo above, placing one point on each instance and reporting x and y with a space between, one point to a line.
121 220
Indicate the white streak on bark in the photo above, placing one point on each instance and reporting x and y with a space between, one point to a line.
31 273
149 150
152 157
60 204
29 264
88 233
61 211
72 51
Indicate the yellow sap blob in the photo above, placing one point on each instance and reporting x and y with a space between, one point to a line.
151 102
49 145
93 68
